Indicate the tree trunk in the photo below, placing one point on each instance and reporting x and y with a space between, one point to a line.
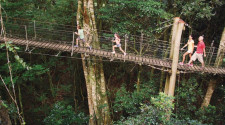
212 83
139 78
79 12
172 39
50 83
173 35
167 84
74 85
208 95
93 69
175 58
89 91
4 115
220 54
162 77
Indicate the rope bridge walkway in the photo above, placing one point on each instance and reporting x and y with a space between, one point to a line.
139 49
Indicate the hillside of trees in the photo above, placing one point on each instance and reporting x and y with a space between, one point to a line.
41 89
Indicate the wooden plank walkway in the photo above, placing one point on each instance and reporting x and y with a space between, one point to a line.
129 57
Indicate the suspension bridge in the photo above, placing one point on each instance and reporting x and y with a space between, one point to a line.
139 48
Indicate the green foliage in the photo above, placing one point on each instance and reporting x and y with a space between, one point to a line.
21 70
3 104
129 102
123 16
156 113
131 16
187 96
207 114
198 9
12 48
30 75
159 112
21 8
188 101
64 115
214 113
164 104
12 111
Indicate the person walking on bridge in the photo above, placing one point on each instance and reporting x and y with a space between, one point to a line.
199 52
118 44
80 33
190 45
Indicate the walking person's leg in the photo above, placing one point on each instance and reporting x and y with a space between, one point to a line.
122 51
184 55
77 42
200 59
193 58
113 48
190 55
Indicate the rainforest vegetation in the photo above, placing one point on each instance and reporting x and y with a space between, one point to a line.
41 89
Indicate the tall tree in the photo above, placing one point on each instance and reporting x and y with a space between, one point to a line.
212 82
93 68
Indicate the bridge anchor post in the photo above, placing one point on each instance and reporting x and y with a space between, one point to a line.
175 58
172 38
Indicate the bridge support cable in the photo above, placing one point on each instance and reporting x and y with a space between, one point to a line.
32 50
27 45
175 58
58 53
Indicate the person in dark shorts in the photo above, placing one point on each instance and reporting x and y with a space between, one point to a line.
118 44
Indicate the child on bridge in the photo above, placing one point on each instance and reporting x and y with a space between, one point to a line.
80 34
190 45
199 52
117 41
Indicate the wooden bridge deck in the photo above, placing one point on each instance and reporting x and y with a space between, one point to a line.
129 57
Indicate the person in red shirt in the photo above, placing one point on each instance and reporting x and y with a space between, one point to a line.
199 52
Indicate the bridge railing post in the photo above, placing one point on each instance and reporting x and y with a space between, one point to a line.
125 40
27 46
210 54
73 43
35 35
141 43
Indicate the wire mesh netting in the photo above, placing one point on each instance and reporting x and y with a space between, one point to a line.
138 45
